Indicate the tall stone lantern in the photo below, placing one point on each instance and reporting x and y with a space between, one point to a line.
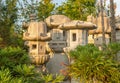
58 41
36 36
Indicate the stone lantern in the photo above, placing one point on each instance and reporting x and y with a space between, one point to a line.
36 37
77 32
97 33
118 28
58 41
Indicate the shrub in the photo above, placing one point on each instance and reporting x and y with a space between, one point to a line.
12 56
15 67
93 66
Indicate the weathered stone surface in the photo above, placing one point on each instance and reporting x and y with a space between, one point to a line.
118 56
55 20
37 37
56 64
77 24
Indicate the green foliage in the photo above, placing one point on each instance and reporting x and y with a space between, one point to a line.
53 79
45 9
27 73
11 59
16 68
24 70
77 9
58 79
8 16
16 40
112 49
41 9
92 65
12 56
5 75
17 80
47 78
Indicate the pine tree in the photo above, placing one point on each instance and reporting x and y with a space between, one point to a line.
8 16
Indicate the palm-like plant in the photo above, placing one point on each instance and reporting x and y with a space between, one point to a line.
24 70
92 66
112 51
5 75
51 78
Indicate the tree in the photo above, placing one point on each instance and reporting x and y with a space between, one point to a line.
41 9
77 9
45 9
112 21
102 22
26 8
8 16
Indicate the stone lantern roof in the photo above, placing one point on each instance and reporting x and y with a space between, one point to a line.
97 21
77 24
55 20
107 25
36 31
118 23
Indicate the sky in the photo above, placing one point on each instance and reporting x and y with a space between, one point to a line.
117 2
118 6
58 1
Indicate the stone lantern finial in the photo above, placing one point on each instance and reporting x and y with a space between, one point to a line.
32 17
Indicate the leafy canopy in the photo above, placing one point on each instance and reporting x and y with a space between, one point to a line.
77 9
8 17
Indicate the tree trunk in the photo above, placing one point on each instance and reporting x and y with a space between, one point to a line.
112 21
102 22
